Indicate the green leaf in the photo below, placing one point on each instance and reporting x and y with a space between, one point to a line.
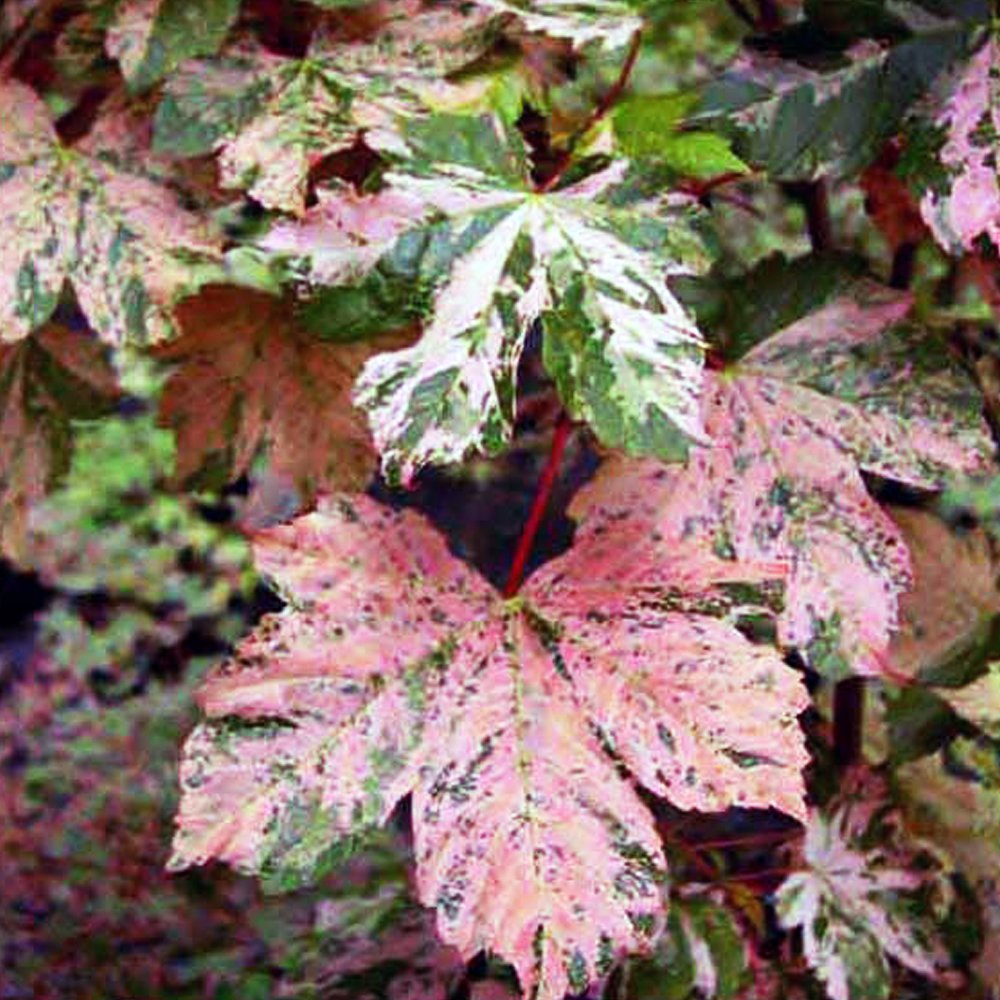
866 894
649 127
273 118
151 38
702 949
801 124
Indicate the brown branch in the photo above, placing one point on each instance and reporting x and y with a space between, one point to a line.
848 720
541 501
13 49
606 103
815 199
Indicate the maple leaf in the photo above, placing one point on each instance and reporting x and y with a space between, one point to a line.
800 123
970 206
273 119
397 669
344 234
948 611
791 423
151 38
865 895
952 799
47 380
122 241
486 257
248 378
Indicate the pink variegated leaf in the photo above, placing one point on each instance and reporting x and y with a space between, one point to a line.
864 895
970 207
344 234
395 669
792 423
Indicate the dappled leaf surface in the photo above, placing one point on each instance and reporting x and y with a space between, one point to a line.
862 899
609 22
953 799
273 119
249 379
397 669
800 123
969 207
151 38
123 242
791 424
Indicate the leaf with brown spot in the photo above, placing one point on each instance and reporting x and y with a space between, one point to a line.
249 379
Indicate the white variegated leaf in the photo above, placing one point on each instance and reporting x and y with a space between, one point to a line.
493 255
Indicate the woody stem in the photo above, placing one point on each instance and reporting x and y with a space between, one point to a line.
538 506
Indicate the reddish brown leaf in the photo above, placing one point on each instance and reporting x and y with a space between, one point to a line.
249 379
46 380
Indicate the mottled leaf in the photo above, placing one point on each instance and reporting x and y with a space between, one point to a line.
249 379
800 123
865 895
969 207
953 800
791 424
609 22
151 38
273 119
123 242
47 380
396 669
490 256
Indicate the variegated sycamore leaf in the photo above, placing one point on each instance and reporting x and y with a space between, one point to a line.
124 243
151 38
272 119
969 204
47 380
609 22
865 895
396 669
487 256
847 388
953 800
799 123
249 379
